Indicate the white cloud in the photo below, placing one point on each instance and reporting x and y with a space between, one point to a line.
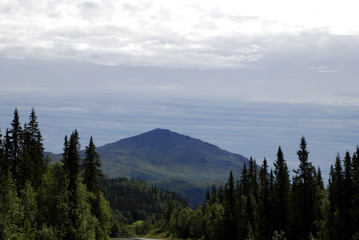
201 34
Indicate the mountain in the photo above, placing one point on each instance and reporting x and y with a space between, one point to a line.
172 161
162 154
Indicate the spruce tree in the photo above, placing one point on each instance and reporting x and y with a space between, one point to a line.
253 178
281 201
7 153
347 197
71 160
355 189
14 141
25 168
91 168
229 206
35 149
304 196
99 206
264 203
72 168
335 219
320 181
252 199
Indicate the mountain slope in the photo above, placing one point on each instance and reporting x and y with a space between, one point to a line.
171 161
161 155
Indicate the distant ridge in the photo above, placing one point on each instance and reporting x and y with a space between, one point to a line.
172 161
162 154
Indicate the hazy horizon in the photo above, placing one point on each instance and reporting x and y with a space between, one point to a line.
247 77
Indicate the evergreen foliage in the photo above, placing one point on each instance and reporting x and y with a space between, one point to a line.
303 209
281 195
65 200
42 201
91 168
133 199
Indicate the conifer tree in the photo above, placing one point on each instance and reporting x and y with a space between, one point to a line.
253 178
35 149
336 182
320 179
25 168
220 195
71 164
252 199
7 159
91 168
347 197
14 141
71 160
244 186
355 197
281 201
99 206
304 194
264 203
230 208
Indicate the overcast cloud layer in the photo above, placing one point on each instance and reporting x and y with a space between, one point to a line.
180 34
247 76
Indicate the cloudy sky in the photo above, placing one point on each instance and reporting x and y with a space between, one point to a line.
247 76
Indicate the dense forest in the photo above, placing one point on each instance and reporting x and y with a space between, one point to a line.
42 201
267 203
72 199
134 199
68 199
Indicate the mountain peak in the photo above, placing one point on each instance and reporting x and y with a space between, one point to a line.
164 148
160 131
171 160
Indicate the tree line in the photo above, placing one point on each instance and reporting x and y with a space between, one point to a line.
43 201
265 203
65 201
134 199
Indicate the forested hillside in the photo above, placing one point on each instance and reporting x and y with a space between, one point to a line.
133 199
269 204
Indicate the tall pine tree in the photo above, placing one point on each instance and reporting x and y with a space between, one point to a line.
14 144
71 160
35 149
91 168
281 195
229 206
355 189
304 196
265 219
99 206
335 219
347 197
